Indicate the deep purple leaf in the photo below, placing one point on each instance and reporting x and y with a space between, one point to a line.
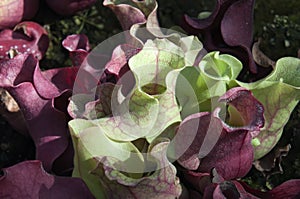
215 144
30 9
220 188
287 190
226 189
270 164
249 108
62 78
26 38
10 112
228 29
14 11
252 191
118 65
209 190
192 194
196 180
126 14
69 7
216 187
237 22
37 98
260 58
29 180
134 15
78 46
229 189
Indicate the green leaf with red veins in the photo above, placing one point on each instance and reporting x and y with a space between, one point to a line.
155 68
191 47
192 91
90 143
151 106
140 116
83 159
196 87
162 183
77 105
169 114
132 119
220 67
279 93
113 169
279 105
86 107
157 58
